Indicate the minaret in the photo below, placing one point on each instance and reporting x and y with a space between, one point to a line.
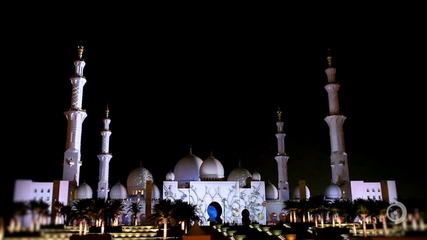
104 158
335 120
282 160
75 116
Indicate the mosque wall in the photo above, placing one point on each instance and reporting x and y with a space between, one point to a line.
226 197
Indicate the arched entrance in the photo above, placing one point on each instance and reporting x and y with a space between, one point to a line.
214 212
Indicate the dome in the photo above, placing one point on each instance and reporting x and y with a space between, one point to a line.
170 176
187 169
333 191
84 191
271 192
211 169
155 193
256 176
118 191
137 180
239 174
296 193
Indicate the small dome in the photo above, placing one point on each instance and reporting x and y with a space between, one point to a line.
84 191
296 193
187 169
137 180
256 176
241 175
271 192
155 192
211 169
170 176
118 191
333 192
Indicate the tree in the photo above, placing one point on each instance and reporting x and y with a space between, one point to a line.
135 208
67 213
20 210
291 206
39 210
185 212
114 208
56 211
163 213
362 211
83 209
99 209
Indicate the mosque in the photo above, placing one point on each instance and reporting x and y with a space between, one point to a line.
218 198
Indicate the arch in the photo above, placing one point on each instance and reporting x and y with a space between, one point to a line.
214 212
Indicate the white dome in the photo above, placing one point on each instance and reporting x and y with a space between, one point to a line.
170 176
332 192
155 193
271 192
84 191
137 180
118 191
187 169
256 176
211 169
239 174
296 193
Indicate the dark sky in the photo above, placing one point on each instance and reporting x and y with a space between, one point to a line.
216 86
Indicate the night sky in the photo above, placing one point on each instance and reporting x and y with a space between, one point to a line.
216 86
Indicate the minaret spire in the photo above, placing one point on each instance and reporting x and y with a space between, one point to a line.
335 121
282 160
75 117
104 158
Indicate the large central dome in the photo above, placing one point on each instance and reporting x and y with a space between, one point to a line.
137 180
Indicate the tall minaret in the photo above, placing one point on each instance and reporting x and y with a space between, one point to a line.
335 120
75 116
282 160
104 158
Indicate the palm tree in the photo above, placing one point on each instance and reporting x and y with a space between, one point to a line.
318 206
291 206
20 210
99 211
83 210
378 209
362 211
56 211
345 209
164 212
67 214
39 210
135 208
185 212
114 208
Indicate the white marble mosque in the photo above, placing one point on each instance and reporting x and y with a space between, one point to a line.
218 198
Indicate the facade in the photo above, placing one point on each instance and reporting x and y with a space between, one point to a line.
217 200
383 190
